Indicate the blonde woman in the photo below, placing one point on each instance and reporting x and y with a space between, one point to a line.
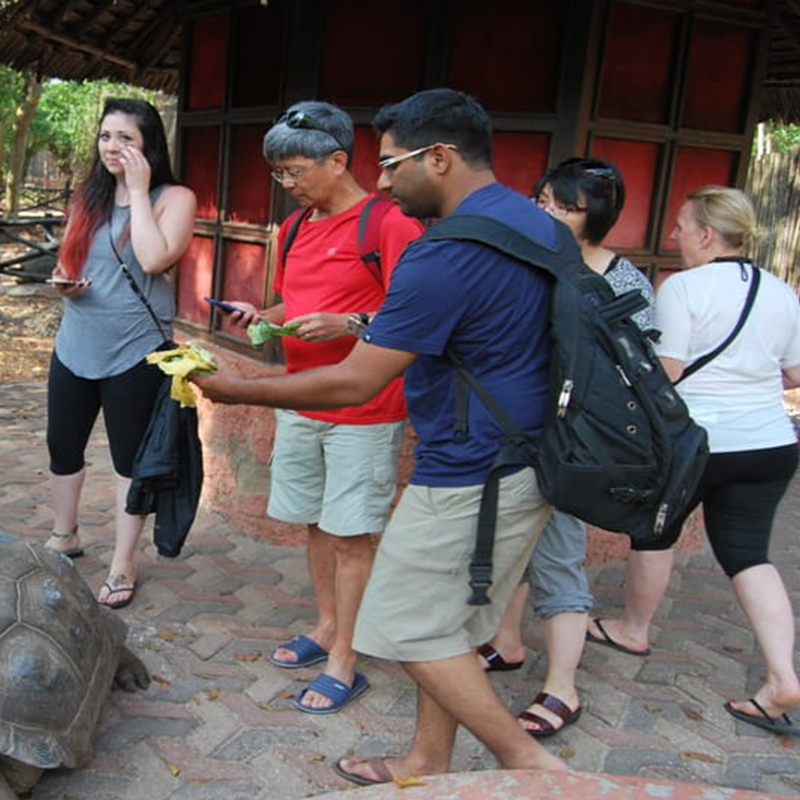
738 398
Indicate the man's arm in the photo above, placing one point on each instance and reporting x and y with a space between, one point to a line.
358 378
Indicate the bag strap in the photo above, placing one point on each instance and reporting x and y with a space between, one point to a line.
132 283
748 305
295 219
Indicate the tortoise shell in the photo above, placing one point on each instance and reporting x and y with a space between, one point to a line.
59 651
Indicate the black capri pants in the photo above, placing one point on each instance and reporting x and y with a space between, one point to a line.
740 493
73 404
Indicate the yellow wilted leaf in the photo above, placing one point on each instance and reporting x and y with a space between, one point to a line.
567 751
704 757
212 694
653 708
174 769
412 780
165 635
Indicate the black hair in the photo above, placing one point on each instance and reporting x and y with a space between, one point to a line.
440 115
591 184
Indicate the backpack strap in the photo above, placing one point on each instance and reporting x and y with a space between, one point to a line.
369 234
295 220
508 240
748 304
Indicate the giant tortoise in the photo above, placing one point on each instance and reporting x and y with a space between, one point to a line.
60 652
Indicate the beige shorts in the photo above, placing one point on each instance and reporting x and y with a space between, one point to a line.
340 477
415 606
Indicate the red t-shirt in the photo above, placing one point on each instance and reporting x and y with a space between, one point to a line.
324 272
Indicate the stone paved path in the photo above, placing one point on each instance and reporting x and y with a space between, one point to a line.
217 722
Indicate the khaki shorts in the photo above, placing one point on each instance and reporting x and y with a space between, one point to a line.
340 477
415 606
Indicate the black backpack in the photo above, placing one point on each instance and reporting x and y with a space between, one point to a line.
619 449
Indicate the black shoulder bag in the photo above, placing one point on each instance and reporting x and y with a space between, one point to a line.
699 363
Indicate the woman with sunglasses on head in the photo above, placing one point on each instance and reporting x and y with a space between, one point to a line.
738 397
128 210
587 194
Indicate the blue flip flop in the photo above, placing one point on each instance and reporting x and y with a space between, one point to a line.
336 691
308 653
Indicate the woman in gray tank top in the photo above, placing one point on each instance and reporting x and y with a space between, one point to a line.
130 208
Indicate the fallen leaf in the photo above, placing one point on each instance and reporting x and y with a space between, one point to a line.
729 649
150 606
692 714
225 593
788 743
567 751
704 757
285 694
212 694
247 656
413 780
653 708
165 635
174 769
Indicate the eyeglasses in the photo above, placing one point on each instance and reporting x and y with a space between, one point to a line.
558 211
293 174
302 120
390 163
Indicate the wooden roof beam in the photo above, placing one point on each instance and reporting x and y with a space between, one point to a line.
76 44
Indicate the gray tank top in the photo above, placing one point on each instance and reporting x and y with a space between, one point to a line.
107 329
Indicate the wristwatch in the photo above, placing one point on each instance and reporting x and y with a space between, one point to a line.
357 322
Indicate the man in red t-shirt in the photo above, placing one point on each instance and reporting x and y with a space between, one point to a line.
333 470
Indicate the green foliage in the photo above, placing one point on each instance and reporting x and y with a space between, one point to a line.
781 137
10 88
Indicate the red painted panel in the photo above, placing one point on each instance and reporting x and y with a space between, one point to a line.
372 53
524 39
257 55
208 60
200 159
638 165
639 58
194 280
720 62
250 182
520 159
695 167
365 158
245 277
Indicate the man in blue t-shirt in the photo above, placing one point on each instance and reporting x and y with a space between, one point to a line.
493 312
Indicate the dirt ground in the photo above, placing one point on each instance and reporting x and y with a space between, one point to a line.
29 317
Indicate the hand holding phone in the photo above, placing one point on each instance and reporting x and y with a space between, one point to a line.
227 307
65 282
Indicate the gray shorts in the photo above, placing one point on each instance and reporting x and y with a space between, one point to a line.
557 570
340 477
415 606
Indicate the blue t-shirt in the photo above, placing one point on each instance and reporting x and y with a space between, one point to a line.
494 311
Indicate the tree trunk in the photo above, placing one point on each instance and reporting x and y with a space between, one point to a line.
23 118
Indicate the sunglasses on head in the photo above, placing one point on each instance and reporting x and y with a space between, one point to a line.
302 120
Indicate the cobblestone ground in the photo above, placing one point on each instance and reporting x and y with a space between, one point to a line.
217 721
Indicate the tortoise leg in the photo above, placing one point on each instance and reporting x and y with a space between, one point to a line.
131 672
16 778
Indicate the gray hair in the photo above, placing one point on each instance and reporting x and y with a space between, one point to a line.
327 129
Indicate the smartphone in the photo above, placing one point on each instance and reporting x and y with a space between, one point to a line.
64 282
221 304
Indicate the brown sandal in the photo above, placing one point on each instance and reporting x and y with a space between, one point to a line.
495 662
558 707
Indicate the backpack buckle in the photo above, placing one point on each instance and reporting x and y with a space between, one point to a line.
480 580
